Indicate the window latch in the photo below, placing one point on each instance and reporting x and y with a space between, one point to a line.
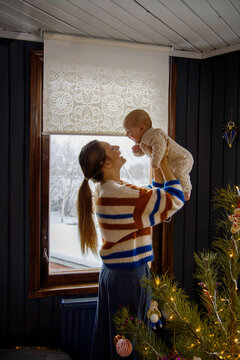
45 254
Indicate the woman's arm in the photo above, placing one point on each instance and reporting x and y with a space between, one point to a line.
158 176
166 170
158 203
163 200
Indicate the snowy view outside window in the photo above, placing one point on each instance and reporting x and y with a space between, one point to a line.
65 179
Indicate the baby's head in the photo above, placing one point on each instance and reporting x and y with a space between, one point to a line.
136 123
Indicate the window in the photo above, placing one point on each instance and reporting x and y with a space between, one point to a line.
65 177
52 270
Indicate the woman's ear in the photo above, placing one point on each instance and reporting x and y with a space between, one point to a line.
107 164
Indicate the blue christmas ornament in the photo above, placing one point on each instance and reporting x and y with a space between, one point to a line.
230 132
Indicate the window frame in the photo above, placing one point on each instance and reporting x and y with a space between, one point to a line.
41 283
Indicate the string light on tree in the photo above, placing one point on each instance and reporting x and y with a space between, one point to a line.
157 281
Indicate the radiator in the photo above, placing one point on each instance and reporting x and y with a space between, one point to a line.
77 322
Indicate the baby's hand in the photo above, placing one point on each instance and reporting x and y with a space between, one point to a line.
136 148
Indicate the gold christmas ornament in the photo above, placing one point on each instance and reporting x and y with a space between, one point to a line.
230 131
235 218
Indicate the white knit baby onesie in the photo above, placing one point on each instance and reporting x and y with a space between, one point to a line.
154 144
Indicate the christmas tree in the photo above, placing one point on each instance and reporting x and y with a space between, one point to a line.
210 330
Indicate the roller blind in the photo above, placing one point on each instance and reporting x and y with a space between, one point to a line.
90 85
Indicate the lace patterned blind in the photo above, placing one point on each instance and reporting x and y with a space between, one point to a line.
90 85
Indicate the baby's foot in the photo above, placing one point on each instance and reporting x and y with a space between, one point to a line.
187 195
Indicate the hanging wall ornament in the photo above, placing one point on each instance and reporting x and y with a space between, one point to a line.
230 131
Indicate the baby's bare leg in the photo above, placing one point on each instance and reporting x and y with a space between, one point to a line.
184 178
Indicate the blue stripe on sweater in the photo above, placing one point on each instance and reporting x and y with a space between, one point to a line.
134 264
118 216
156 207
128 253
176 192
156 184
171 182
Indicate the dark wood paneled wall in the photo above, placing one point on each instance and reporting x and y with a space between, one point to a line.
23 321
207 91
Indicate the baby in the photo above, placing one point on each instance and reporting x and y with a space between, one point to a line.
153 142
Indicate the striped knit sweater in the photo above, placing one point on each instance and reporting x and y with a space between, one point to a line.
126 213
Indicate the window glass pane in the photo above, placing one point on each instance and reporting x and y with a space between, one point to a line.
65 179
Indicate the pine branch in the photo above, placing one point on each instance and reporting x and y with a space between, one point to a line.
225 198
146 343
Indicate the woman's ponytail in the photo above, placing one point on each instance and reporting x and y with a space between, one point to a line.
86 225
91 160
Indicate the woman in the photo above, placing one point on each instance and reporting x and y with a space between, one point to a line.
125 214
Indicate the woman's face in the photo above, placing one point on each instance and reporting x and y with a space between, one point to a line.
113 154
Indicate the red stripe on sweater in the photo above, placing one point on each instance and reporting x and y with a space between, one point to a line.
132 186
145 195
168 206
134 235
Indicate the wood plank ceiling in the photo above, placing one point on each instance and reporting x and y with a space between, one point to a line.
193 28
